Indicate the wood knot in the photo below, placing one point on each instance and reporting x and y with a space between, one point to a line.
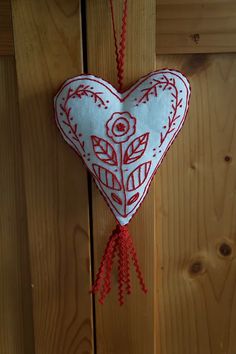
196 268
225 249
196 63
195 37
228 158
193 166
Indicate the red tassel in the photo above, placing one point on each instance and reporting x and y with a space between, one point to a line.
121 244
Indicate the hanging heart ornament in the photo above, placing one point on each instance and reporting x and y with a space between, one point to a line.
122 137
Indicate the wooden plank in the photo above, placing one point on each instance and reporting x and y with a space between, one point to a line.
197 198
199 27
16 334
129 329
48 50
6 33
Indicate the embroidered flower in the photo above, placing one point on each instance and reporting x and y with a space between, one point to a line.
120 127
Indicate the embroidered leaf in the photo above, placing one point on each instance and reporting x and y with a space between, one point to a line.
133 199
104 151
136 149
116 198
107 178
138 176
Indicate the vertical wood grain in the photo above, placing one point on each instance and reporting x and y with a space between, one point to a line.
16 325
196 26
6 33
131 328
197 197
48 50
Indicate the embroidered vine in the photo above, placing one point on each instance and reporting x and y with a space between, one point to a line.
80 92
175 102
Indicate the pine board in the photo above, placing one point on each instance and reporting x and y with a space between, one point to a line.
197 197
48 50
185 230
6 33
196 26
16 334
130 329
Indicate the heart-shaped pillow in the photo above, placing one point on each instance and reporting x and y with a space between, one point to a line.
123 137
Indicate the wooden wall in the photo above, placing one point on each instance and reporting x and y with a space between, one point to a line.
51 214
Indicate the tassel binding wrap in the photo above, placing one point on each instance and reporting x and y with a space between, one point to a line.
120 244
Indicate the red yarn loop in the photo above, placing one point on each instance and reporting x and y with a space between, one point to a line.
120 244
120 48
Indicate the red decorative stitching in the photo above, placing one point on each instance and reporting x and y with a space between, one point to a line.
136 149
133 199
68 122
153 90
116 128
113 127
80 91
171 121
138 176
87 91
106 177
116 198
104 151
122 99
122 177
121 127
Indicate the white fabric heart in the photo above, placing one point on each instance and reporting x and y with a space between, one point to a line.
123 137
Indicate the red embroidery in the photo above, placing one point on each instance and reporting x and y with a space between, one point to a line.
117 184
136 149
87 91
122 180
133 199
116 198
138 176
164 84
80 92
68 122
113 125
171 121
104 151
106 177
152 90
118 129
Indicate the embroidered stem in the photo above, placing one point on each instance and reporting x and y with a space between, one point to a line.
120 243
122 177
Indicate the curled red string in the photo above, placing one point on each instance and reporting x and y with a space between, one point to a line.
120 49
120 244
